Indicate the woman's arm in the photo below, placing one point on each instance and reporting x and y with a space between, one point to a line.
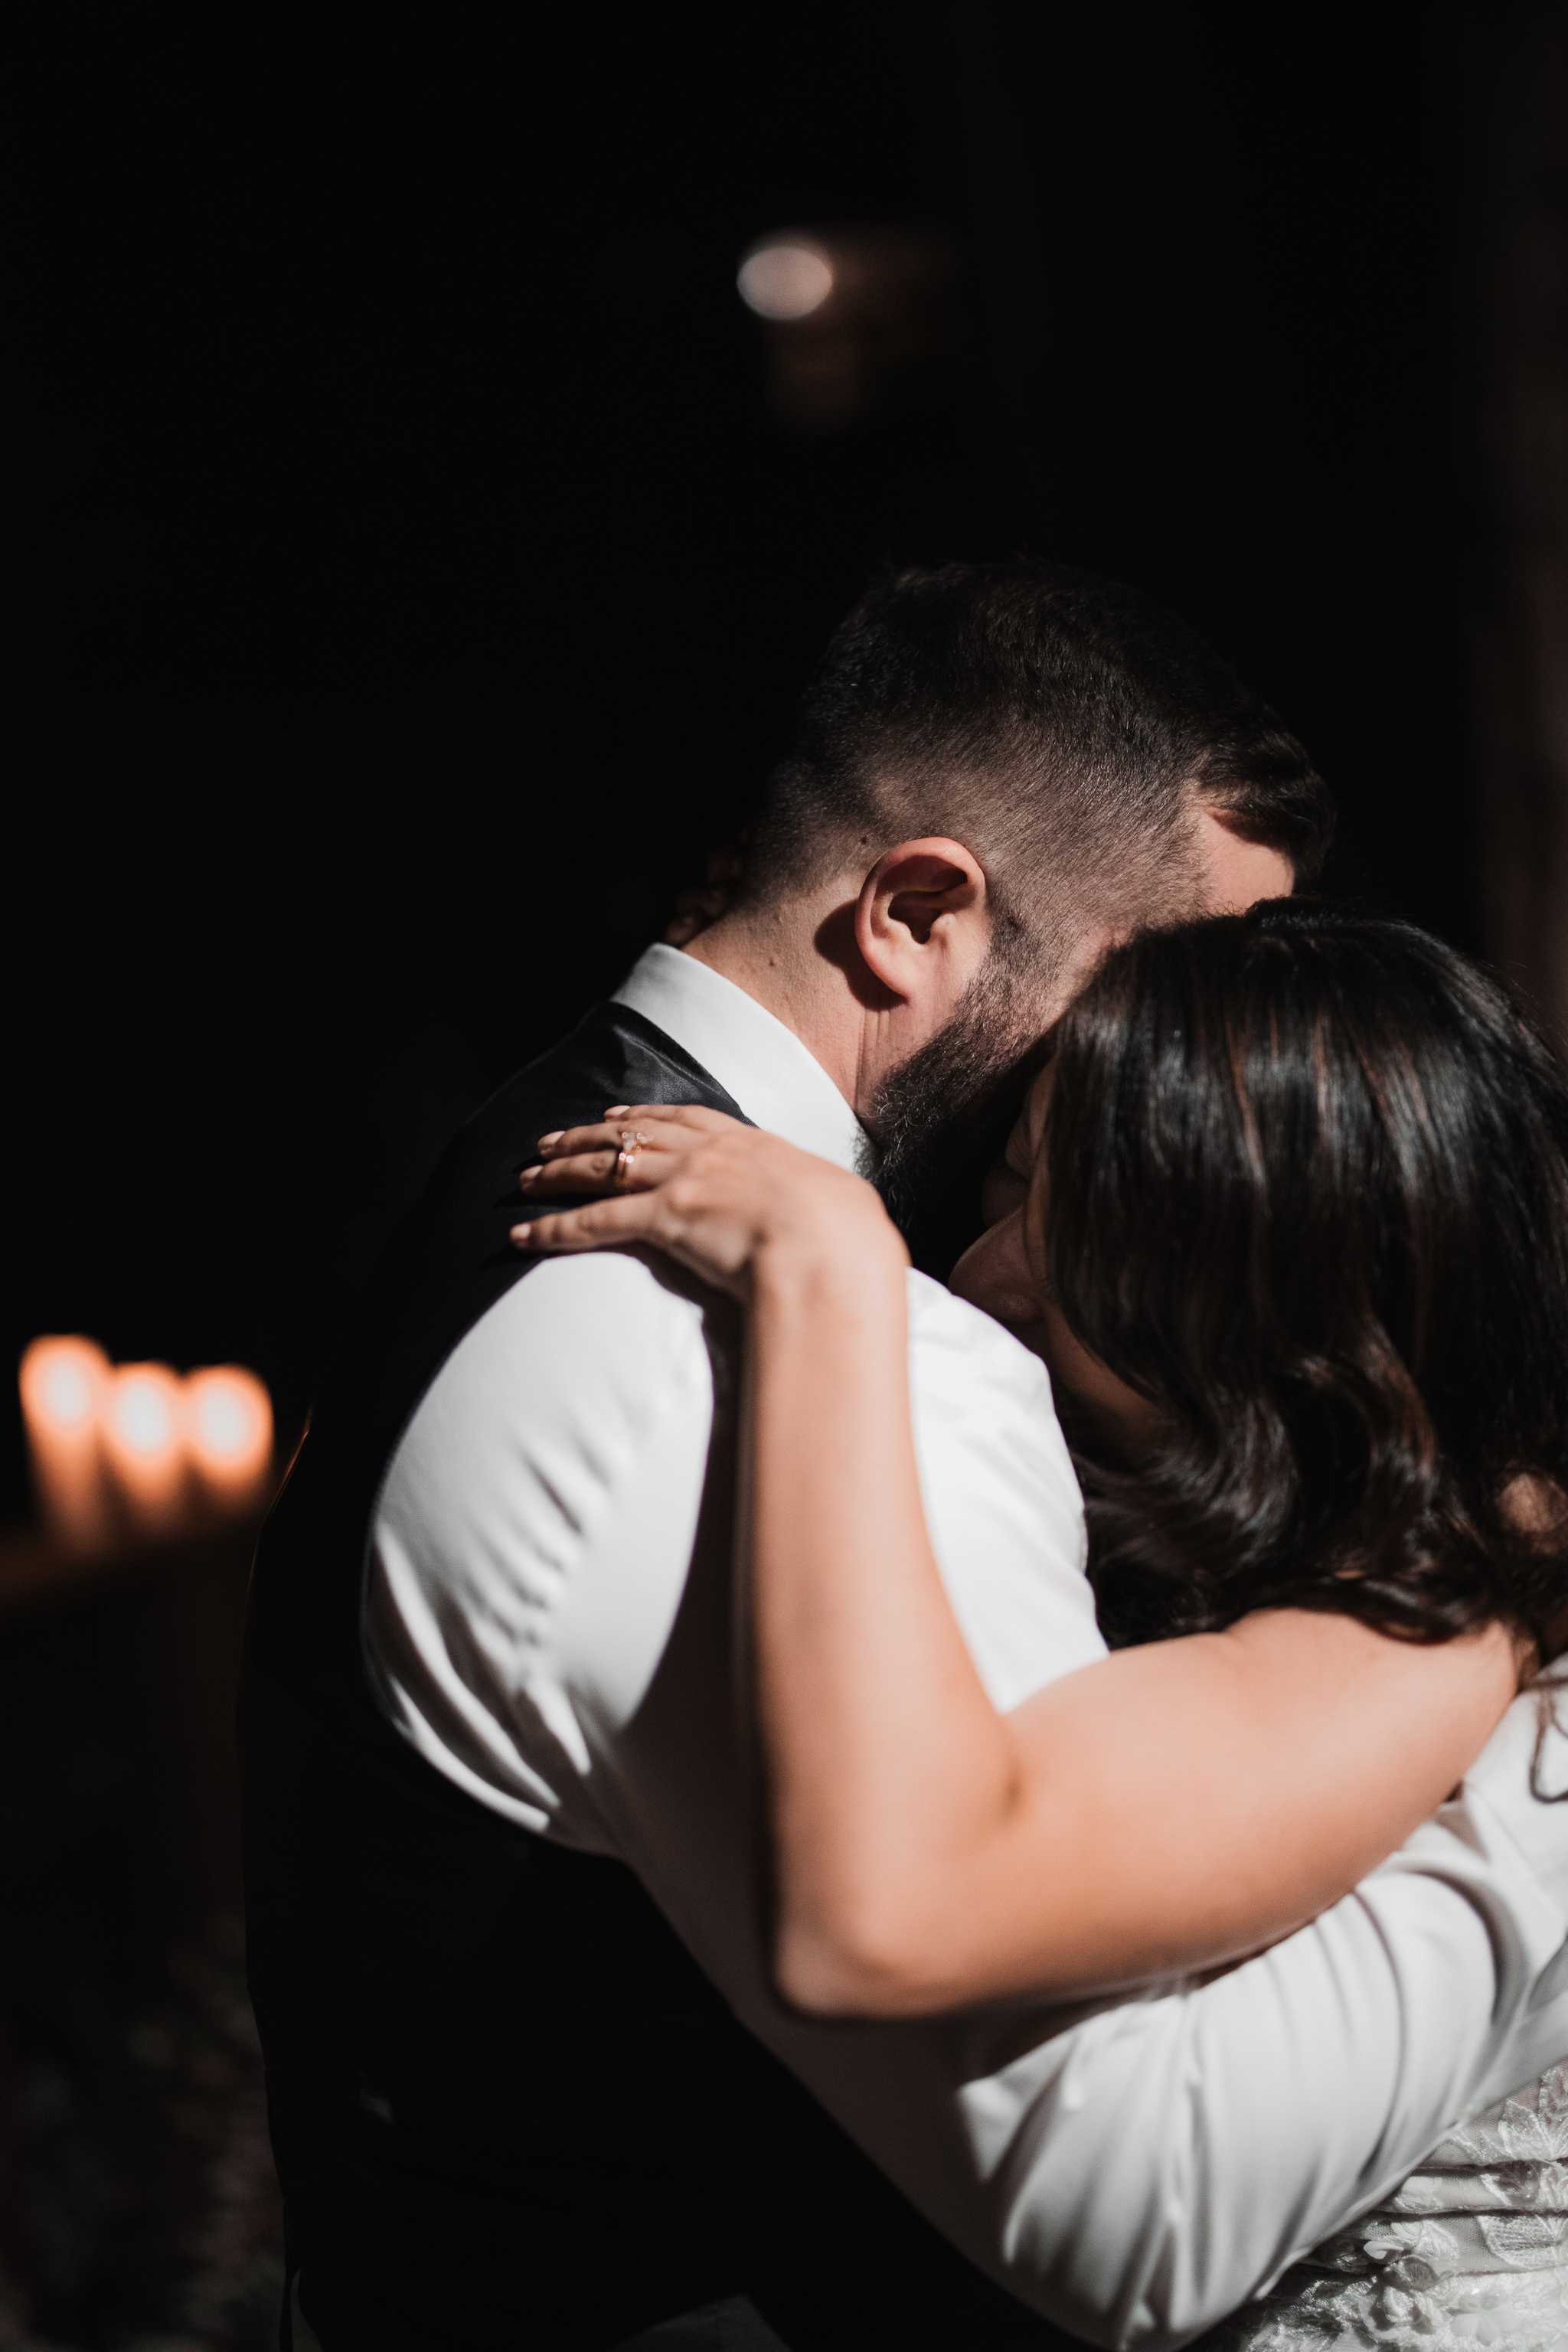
1169 1807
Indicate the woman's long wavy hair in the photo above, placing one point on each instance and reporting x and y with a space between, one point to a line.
1307 1195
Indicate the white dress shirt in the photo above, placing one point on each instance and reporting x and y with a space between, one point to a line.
550 1619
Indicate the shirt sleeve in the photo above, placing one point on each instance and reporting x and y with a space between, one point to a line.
1160 2159
553 1619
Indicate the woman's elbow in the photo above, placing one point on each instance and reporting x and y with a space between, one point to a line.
852 1968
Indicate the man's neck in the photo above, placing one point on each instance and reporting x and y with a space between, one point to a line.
764 955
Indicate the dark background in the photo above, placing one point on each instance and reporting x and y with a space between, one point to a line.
414 579
417 557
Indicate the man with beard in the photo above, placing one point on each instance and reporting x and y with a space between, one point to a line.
507 1915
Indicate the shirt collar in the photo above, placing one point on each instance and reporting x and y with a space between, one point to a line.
777 1081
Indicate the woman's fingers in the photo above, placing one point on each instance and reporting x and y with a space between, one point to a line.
663 1128
703 1234
707 1190
602 1225
570 1142
596 1172
655 1137
587 1158
578 1171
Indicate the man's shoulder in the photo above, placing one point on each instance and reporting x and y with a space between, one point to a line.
581 1333
1001 1498
953 1342
568 1391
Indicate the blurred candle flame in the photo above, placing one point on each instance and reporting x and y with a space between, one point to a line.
227 1419
63 1381
136 1450
143 1444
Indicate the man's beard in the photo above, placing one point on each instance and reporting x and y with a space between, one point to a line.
944 1110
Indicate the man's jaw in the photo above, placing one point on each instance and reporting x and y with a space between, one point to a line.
943 1115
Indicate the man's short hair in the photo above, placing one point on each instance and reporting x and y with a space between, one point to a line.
1062 726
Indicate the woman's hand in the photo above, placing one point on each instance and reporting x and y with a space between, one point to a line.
721 1197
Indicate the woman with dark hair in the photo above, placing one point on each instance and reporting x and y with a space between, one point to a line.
1285 1213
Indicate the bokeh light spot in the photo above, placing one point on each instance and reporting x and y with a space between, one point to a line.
62 1380
230 1417
784 278
141 1413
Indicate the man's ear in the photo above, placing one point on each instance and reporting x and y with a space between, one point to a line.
922 921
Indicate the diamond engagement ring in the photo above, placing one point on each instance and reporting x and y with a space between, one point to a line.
632 1141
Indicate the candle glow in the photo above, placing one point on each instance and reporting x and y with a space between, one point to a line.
62 1383
143 1444
136 1449
227 1421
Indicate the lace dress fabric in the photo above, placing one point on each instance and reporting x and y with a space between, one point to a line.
1472 2250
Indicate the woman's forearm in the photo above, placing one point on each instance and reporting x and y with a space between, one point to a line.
887 1760
1169 1808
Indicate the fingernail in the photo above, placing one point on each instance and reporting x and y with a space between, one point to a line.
531 1175
520 1233
554 1136
617 1110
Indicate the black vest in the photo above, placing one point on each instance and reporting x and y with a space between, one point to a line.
508 2109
